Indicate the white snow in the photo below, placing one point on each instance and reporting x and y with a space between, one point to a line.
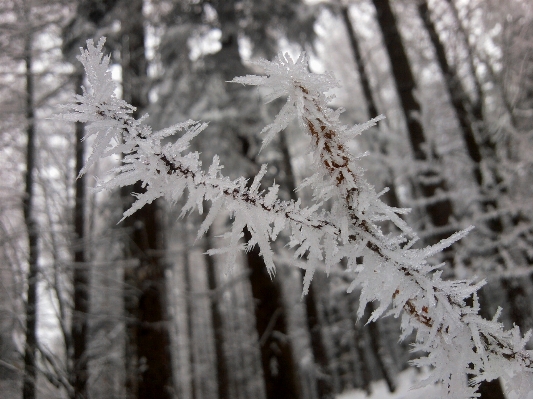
406 379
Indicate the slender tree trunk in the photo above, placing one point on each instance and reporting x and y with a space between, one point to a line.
30 349
323 381
469 115
329 321
439 211
477 102
371 108
456 93
218 326
471 122
130 345
190 323
384 359
149 366
79 331
392 198
363 368
279 368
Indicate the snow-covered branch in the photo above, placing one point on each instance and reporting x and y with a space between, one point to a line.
456 339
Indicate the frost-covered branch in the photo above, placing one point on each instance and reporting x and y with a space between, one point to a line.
456 339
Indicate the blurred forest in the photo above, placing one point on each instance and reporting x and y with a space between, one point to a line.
94 309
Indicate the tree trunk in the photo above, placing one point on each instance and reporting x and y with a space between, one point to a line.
383 358
457 94
391 197
439 211
149 367
371 107
477 102
81 281
190 323
323 380
30 349
218 326
468 115
279 369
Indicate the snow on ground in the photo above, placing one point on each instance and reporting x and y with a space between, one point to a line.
406 380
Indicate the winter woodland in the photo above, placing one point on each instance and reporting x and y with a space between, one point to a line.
285 240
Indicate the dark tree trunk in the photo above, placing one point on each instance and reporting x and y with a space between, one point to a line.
218 326
323 381
384 359
470 116
279 368
81 273
148 361
190 322
333 345
30 349
153 341
371 107
456 92
360 344
477 102
391 197
439 211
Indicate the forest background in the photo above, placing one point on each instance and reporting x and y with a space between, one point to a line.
92 308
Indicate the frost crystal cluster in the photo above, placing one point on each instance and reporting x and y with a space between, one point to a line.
456 341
